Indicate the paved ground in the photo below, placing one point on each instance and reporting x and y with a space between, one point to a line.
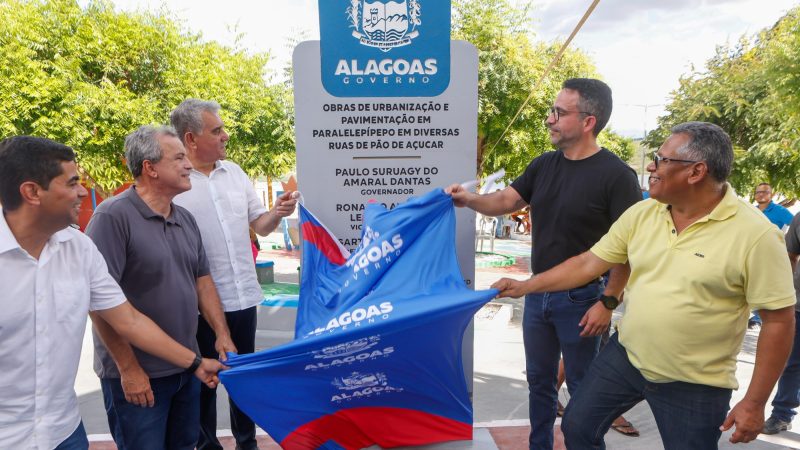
500 391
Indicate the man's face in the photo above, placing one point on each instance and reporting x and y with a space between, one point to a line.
568 129
174 167
763 194
670 178
211 141
61 201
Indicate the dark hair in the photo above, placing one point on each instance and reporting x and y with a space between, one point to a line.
709 143
29 158
594 98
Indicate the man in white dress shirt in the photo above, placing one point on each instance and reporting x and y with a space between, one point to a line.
224 204
52 277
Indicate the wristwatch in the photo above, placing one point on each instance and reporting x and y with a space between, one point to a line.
609 301
195 364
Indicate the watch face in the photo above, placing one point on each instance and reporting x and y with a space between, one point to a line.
609 301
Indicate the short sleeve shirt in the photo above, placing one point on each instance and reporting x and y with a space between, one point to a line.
778 215
157 262
45 304
223 204
689 295
574 202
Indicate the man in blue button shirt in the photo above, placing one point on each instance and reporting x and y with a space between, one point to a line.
776 214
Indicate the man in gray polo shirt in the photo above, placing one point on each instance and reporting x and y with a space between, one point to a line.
223 201
153 249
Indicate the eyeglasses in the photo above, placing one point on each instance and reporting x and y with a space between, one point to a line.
762 192
557 113
657 159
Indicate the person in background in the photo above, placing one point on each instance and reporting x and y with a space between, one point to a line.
225 204
787 399
776 214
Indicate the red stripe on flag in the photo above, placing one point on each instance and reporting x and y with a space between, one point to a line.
358 428
323 241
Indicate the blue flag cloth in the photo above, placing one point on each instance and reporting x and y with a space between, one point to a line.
377 352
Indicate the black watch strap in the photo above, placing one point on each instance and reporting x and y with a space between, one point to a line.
609 301
195 364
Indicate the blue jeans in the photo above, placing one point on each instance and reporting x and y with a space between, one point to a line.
787 399
172 423
688 415
76 441
549 329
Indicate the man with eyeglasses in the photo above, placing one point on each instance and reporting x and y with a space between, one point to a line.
700 259
776 214
575 194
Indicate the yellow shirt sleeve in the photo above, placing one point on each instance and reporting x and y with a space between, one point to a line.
613 247
768 282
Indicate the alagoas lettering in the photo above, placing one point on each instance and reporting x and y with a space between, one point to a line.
387 67
356 316
351 359
375 253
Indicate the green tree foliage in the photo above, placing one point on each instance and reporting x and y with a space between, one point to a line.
511 63
89 76
752 90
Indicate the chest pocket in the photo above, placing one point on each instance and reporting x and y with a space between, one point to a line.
70 300
238 204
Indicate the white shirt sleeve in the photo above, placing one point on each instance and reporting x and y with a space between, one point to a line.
105 293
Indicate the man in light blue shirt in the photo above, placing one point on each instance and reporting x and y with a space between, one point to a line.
776 214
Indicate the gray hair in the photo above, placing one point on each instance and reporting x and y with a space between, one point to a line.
188 115
709 143
142 145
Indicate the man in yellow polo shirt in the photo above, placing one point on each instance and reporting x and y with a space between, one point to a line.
700 260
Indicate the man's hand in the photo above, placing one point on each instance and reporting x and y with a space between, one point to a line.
595 321
510 288
223 345
458 193
285 204
749 420
136 386
208 370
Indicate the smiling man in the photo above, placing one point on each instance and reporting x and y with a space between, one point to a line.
154 250
700 259
52 277
225 205
575 194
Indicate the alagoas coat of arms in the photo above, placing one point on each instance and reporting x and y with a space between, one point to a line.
384 24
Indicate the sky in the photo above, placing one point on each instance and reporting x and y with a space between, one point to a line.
640 47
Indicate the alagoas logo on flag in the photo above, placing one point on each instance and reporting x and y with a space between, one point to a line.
377 354
380 48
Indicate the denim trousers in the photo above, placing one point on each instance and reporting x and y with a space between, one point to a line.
787 399
76 441
242 325
688 415
171 424
550 329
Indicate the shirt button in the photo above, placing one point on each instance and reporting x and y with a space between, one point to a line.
673 231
